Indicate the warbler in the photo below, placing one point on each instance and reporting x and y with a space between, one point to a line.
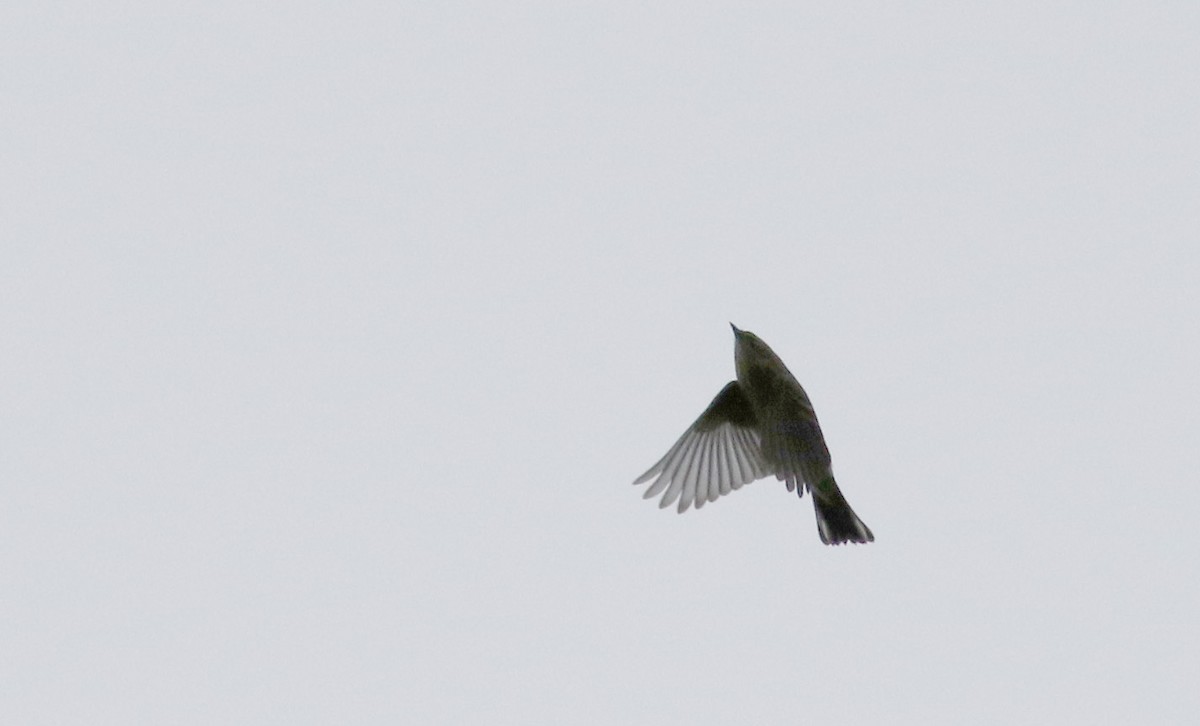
759 425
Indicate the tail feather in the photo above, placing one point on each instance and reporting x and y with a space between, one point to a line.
836 521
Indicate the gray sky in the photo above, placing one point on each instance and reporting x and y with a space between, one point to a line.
335 335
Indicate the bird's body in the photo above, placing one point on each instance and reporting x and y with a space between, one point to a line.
759 425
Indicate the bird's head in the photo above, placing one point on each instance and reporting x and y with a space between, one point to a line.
749 350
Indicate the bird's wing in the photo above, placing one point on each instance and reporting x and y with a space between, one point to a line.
720 452
793 447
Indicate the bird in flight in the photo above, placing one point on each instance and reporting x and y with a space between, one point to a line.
759 425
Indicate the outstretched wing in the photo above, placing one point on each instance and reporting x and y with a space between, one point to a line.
719 453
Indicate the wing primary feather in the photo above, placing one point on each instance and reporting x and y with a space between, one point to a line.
707 473
714 471
690 472
662 469
700 497
749 449
737 447
679 472
723 459
672 459
680 456
654 469
697 499
664 474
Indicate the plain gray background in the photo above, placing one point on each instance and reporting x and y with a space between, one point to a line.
334 335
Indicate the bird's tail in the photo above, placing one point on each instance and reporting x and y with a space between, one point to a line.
836 521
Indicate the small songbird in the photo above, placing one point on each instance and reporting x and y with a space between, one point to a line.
758 425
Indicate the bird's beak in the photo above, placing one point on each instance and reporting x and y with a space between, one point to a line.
736 331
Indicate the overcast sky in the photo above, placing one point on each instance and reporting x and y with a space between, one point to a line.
335 335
